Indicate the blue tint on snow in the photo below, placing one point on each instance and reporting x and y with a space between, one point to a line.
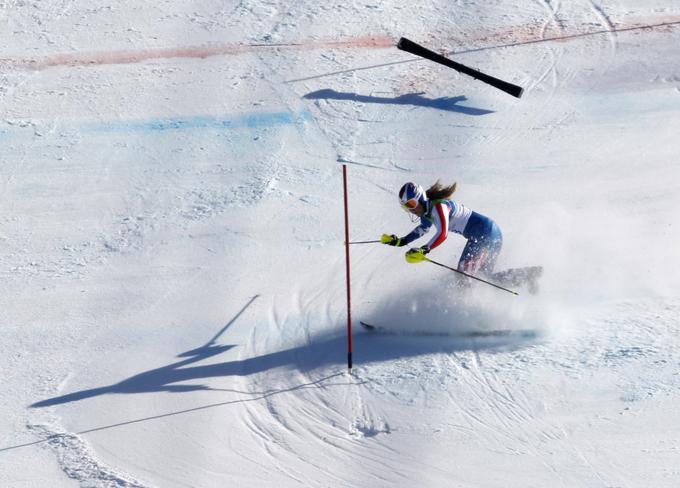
251 120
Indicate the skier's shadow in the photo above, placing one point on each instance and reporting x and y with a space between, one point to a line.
160 379
322 352
450 104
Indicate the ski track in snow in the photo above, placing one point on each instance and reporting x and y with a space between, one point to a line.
606 21
78 462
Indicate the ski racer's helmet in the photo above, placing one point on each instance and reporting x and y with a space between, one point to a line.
411 195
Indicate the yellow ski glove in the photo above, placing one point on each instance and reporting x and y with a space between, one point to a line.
391 240
416 255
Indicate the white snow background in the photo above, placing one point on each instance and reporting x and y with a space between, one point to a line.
171 244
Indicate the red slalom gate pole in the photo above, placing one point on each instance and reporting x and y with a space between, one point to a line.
349 297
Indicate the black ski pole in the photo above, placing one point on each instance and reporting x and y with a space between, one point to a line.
469 275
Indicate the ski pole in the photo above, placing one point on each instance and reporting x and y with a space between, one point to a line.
365 242
424 258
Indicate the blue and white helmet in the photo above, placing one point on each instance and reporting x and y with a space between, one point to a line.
411 195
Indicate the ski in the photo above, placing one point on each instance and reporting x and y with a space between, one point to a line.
523 333
520 277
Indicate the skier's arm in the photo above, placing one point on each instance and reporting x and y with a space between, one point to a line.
416 233
440 217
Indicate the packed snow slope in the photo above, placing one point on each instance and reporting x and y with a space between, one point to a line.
171 244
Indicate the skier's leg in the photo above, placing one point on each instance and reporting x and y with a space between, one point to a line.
469 257
481 252
493 243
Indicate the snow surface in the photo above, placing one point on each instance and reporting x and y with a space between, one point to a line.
173 303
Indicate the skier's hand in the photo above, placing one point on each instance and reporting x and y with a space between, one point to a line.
391 240
416 254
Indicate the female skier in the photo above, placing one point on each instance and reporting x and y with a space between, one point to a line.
435 207
484 238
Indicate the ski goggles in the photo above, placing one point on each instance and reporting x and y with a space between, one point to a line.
410 204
